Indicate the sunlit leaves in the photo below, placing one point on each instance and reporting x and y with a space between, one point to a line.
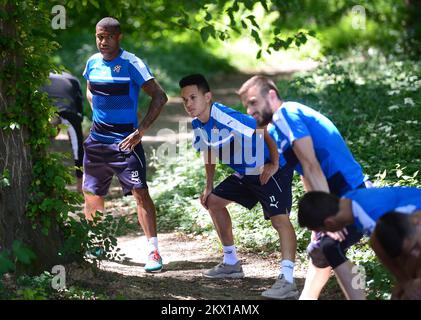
207 17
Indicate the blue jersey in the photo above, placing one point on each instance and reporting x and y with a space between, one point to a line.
368 205
232 136
115 89
293 121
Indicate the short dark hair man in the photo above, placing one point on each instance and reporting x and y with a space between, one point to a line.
114 79
322 211
233 137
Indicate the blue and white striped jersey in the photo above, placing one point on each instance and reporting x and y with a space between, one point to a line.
232 135
115 89
368 205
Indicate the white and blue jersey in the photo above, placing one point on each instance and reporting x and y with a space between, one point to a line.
293 121
368 205
232 136
115 89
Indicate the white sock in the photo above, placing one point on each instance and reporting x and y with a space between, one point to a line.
287 269
230 255
153 244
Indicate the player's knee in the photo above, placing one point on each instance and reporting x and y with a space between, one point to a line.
333 253
213 203
141 196
281 223
316 255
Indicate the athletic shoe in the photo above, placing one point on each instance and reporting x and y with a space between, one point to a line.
95 253
223 270
154 263
281 289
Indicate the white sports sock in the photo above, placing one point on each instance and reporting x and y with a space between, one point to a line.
153 244
287 269
230 255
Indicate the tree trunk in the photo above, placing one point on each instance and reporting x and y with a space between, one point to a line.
15 158
413 28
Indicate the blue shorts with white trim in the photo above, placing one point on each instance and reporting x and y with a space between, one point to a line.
104 160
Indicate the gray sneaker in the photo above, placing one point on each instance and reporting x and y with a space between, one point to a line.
281 289
223 270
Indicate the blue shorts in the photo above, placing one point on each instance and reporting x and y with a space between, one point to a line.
275 196
102 161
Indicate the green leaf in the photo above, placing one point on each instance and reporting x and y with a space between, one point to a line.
22 252
256 37
235 6
302 37
206 32
264 5
312 33
94 3
183 22
6 264
288 42
232 18
249 4
253 21
208 16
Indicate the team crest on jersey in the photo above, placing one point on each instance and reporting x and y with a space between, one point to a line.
117 68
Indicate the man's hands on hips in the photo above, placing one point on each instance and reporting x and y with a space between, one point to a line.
131 140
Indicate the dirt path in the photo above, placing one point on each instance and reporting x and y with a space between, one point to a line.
185 257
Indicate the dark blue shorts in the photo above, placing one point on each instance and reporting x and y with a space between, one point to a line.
102 161
325 251
275 196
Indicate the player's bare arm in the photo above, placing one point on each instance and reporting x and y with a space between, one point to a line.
270 168
89 94
313 174
210 165
159 99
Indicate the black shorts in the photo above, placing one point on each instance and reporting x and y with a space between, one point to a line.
275 196
74 130
325 251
